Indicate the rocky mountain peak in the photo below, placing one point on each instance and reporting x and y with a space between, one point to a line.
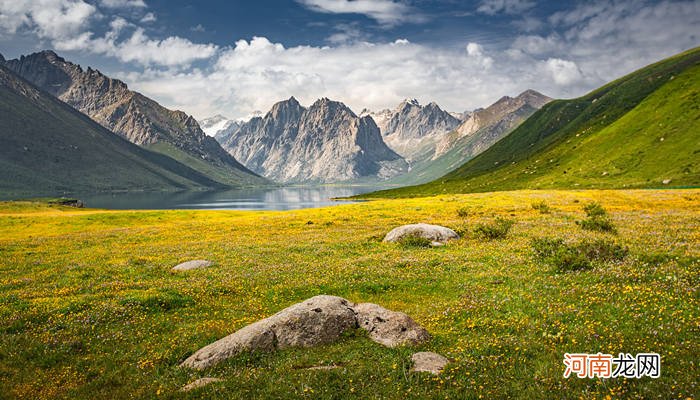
325 142
327 106
129 114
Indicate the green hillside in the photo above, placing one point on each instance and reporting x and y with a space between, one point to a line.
640 131
47 147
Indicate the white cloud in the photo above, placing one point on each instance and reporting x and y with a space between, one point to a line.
255 74
608 39
476 51
493 7
148 17
66 25
564 72
122 3
387 12
47 18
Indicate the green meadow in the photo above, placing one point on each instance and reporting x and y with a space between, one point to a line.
89 306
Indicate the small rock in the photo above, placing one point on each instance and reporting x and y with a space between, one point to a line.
605 173
666 181
389 328
322 367
194 264
427 361
201 382
436 244
435 233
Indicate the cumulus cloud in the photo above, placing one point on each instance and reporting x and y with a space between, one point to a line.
564 72
493 7
65 24
387 12
255 74
47 18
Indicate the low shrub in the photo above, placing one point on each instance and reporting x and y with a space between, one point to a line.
597 219
542 207
463 212
498 229
578 256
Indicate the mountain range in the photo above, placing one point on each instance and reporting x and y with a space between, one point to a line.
323 143
47 148
640 131
133 116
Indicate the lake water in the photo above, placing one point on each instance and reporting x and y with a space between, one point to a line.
283 198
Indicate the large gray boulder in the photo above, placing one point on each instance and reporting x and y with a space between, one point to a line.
389 328
434 233
426 361
194 264
318 320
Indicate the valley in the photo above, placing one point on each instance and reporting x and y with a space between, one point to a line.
340 199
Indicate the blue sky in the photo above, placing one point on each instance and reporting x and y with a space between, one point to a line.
236 57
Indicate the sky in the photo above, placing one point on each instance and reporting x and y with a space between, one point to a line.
236 57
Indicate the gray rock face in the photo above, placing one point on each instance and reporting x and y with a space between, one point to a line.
435 233
389 328
194 264
318 320
201 382
129 114
427 361
492 123
325 143
413 130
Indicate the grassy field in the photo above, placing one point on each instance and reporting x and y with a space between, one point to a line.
90 309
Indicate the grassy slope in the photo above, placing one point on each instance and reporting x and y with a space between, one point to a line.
46 147
89 308
634 132
232 175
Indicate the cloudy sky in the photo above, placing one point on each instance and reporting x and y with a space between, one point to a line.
236 57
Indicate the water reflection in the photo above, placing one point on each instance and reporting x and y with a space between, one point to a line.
284 198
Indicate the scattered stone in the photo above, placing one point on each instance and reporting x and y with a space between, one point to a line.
605 173
389 328
435 233
194 264
427 361
323 367
318 320
201 382
666 181
436 244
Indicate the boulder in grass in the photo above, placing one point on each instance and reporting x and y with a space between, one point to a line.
194 264
426 361
389 328
434 233
318 320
